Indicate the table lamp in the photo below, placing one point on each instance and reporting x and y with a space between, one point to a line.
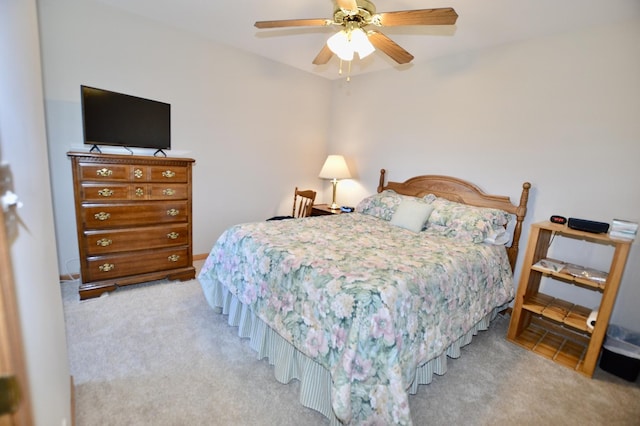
335 167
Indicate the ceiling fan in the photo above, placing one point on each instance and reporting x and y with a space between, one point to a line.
355 17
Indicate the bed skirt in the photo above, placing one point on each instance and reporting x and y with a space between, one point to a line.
289 363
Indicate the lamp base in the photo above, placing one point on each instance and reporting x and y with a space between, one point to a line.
334 205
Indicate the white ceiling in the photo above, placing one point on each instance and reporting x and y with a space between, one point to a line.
481 24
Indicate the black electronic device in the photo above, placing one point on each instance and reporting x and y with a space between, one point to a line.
588 225
560 220
111 118
346 209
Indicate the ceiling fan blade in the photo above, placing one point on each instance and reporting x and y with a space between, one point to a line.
324 56
443 16
350 5
388 46
293 23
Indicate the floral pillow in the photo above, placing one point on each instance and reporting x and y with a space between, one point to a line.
384 204
464 222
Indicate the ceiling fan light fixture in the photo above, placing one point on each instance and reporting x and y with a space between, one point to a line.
340 45
347 42
356 15
361 44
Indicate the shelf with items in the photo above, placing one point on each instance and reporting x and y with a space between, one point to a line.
556 328
597 282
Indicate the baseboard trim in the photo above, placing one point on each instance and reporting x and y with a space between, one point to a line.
70 277
73 401
200 256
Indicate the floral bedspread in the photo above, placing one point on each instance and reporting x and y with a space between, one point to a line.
367 300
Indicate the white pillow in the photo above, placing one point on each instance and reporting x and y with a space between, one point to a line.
411 215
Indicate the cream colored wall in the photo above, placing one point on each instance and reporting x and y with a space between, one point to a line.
256 128
560 112
550 111
23 146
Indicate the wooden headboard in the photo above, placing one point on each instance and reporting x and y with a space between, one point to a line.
461 191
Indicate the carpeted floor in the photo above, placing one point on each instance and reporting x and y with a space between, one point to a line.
157 354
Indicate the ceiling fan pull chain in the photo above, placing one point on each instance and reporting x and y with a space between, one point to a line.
348 70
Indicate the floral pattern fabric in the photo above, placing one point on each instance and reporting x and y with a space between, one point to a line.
464 222
368 301
384 204
448 219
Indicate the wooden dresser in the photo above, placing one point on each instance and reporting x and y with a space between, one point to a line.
133 219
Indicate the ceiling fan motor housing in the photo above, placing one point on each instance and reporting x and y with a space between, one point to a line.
363 15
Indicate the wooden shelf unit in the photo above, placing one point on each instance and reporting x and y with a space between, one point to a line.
556 328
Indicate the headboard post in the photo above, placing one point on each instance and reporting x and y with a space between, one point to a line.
381 183
520 214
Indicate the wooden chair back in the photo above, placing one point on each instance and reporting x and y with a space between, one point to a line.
303 202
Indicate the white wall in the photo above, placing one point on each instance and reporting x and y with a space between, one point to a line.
559 112
23 146
256 128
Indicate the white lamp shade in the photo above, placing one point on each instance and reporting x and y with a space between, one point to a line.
340 45
360 43
347 42
335 167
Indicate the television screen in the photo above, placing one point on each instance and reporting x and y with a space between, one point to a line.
110 118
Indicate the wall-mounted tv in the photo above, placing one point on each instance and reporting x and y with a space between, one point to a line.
110 118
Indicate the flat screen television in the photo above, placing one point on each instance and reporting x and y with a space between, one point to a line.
110 118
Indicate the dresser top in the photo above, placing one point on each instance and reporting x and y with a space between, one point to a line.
118 158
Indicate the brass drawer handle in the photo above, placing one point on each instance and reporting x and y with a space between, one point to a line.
168 191
102 216
173 258
137 173
104 242
173 212
139 192
106 267
104 172
169 174
106 192
173 235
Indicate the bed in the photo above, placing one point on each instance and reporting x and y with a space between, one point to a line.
364 307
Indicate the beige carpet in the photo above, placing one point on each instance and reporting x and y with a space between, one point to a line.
157 354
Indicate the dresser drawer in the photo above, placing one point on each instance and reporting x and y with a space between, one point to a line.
168 174
104 216
119 240
168 191
104 172
121 265
105 191
135 173
121 191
